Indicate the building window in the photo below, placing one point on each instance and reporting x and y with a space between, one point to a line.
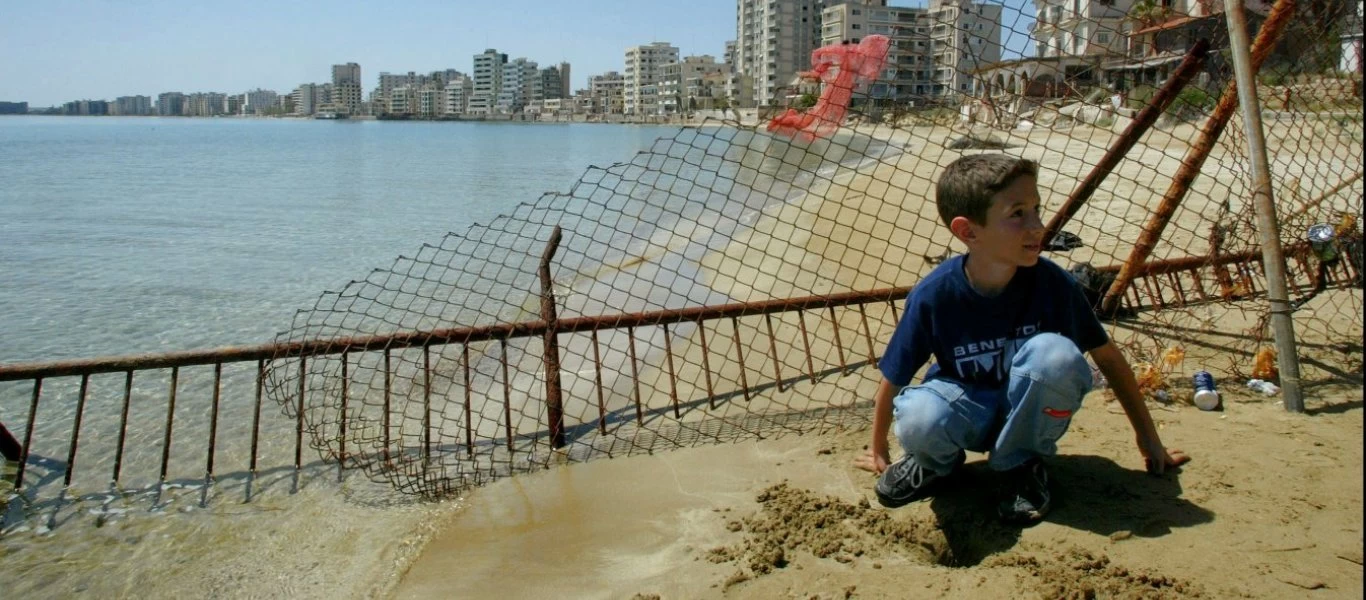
857 26
1103 38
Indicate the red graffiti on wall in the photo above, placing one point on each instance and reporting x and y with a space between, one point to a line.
841 67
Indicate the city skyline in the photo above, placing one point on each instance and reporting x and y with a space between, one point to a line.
142 55
68 50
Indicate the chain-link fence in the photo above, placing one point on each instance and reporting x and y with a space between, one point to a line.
700 288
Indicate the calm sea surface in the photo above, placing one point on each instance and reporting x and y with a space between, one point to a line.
127 235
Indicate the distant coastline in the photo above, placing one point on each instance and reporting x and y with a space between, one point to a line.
746 116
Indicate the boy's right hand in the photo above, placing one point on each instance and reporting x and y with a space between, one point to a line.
873 461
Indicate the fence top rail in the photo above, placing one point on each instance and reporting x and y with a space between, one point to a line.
411 339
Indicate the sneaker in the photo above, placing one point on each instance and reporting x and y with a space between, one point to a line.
904 482
1027 498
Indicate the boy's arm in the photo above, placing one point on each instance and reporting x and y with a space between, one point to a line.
879 453
1121 377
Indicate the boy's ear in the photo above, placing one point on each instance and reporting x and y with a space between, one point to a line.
963 229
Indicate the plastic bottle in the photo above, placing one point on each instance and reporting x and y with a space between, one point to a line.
1206 397
1265 387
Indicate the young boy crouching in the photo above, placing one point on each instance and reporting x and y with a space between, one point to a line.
1007 330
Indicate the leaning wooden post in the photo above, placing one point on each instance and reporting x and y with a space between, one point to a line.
553 401
1273 259
1194 160
1195 59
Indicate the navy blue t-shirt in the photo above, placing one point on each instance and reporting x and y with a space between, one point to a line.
973 338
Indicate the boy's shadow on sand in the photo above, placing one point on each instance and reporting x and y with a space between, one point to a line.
1090 493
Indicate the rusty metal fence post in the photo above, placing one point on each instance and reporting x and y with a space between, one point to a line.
1273 259
553 400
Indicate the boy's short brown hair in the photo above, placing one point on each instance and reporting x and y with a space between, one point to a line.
967 185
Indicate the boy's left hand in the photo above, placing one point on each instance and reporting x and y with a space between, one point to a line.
1158 458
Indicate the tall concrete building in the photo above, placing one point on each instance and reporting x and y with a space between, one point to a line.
521 86
305 99
458 91
774 40
346 89
966 36
170 104
644 66
564 81
551 84
488 81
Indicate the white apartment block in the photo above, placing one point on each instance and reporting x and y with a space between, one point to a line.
965 38
458 92
774 40
644 66
521 86
305 99
488 81
131 105
681 83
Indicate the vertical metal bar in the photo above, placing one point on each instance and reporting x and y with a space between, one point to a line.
839 345
76 432
739 356
213 434
706 363
256 424
123 425
426 405
867 335
635 375
166 444
896 317
673 376
773 349
551 357
507 393
1199 285
28 434
806 344
469 394
1268 230
384 420
341 425
299 425
597 378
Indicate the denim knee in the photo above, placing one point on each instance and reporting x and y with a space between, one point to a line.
922 422
1055 361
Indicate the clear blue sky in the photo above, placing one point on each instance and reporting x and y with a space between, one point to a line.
61 50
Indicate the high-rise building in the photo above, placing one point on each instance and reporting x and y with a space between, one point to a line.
345 95
13 108
551 84
643 69
306 99
521 86
966 37
488 81
564 80
170 104
458 91
774 40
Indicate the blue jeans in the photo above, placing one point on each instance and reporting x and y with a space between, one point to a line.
939 419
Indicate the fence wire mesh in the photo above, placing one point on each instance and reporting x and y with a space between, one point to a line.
835 196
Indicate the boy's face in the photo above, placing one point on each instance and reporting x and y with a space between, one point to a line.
1013 233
